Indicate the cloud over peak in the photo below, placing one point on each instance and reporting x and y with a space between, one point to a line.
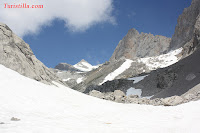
79 15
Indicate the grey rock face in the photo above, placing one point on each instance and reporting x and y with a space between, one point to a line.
17 55
66 67
187 27
135 45
187 32
166 79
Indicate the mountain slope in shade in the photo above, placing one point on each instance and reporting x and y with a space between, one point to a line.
42 108
173 80
84 66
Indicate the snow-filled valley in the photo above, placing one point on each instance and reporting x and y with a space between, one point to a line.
49 109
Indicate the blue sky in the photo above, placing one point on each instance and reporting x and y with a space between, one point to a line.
57 43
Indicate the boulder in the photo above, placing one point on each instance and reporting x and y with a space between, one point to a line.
97 94
172 101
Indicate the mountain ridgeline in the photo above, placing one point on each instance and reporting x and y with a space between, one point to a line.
136 45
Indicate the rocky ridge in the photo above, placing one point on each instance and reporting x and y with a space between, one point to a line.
135 45
17 55
67 67
187 30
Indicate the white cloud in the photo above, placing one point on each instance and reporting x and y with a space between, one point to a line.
79 15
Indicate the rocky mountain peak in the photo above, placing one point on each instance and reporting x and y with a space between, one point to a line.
187 27
83 61
140 45
84 66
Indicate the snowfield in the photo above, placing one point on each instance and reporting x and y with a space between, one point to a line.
161 61
50 109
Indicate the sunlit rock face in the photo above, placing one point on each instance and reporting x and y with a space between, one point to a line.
140 45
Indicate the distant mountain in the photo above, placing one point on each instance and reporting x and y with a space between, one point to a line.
73 75
84 66
135 45
66 67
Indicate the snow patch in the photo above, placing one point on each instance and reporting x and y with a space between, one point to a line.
118 71
161 61
137 79
66 79
79 80
133 91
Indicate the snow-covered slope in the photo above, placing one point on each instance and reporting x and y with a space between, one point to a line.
84 66
118 71
49 109
161 61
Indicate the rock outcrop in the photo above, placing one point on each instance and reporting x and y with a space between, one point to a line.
136 45
111 86
17 55
187 31
120 97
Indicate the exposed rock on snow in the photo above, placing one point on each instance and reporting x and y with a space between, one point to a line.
120 97
14 119
172 101
97 94
111 86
